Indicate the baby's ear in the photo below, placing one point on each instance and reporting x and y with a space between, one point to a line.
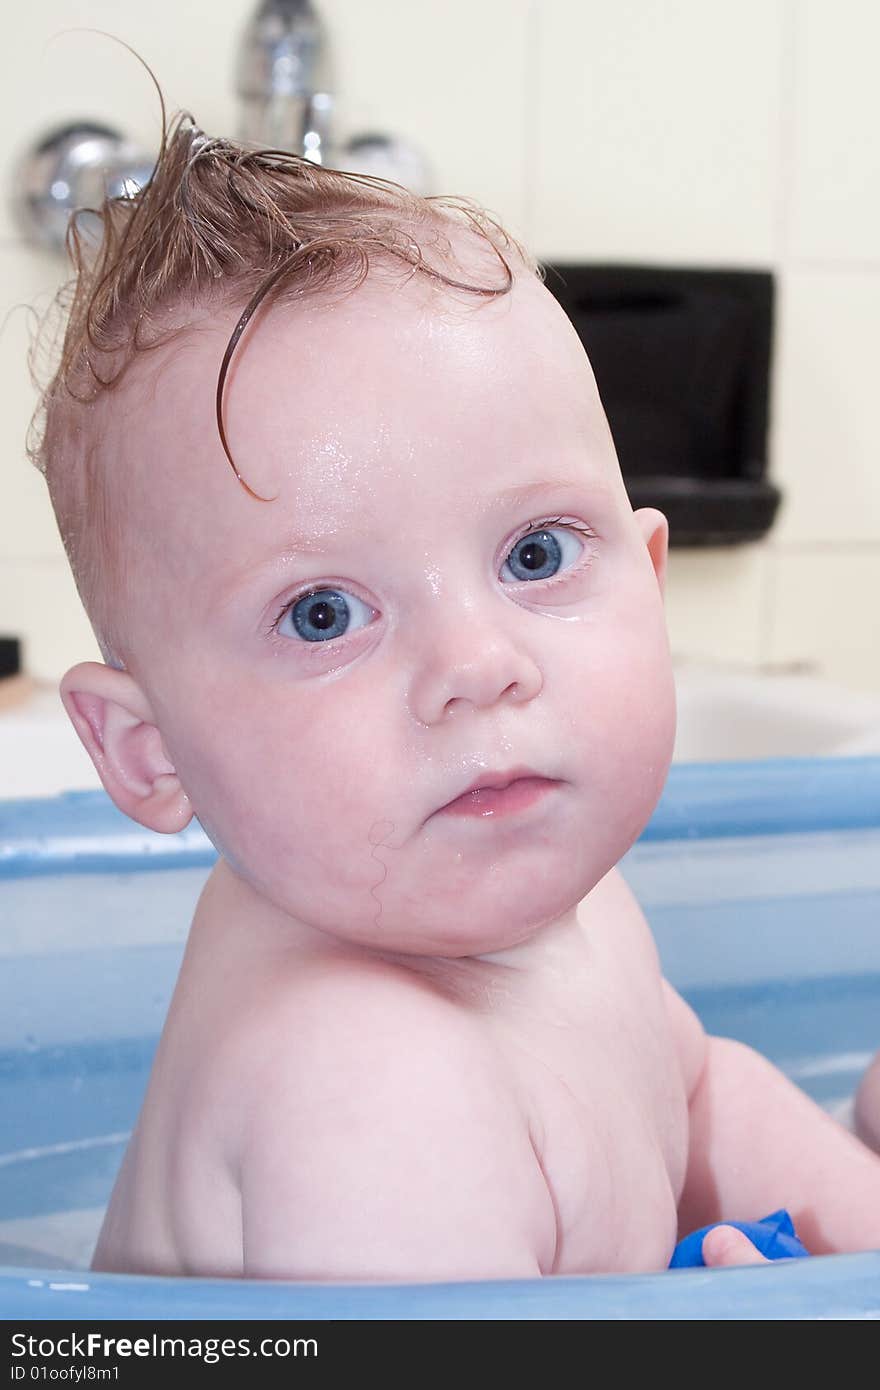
114 720
655 530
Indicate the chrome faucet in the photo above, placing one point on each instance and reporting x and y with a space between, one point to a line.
284 80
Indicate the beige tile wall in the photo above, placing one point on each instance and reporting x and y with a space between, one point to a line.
742 132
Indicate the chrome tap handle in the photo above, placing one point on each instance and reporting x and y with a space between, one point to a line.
72 167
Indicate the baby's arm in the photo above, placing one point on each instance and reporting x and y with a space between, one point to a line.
867 1115
385 1142
758 1143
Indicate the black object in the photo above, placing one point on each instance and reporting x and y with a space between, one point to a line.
10 656
682 360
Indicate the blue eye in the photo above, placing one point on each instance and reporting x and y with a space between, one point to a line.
539 555
324 614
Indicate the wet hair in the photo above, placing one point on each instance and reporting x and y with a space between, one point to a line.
221 225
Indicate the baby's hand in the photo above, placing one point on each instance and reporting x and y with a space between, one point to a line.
725 1245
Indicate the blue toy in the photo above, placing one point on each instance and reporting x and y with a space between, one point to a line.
774 1237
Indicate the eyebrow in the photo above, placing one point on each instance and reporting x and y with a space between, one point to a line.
520 492
296 546
524 492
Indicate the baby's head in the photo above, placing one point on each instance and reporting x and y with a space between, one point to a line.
447 583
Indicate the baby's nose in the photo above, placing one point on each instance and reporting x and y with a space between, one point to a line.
470 666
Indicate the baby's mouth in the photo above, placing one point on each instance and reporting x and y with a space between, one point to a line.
495 794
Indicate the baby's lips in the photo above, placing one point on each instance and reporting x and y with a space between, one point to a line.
489 779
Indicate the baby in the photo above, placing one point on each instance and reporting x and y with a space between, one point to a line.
406 662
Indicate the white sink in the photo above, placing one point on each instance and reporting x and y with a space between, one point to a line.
40 752
727 713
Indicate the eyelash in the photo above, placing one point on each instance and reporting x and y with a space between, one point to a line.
553 521
586 531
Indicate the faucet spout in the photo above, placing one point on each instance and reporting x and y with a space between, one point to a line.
284 80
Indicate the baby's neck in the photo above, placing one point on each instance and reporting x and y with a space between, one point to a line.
550 948
548 965
549 957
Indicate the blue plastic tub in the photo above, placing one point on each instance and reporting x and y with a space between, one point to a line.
762 883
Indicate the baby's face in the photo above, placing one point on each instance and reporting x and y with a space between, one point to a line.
451 583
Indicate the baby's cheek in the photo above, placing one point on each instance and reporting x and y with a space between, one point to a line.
646 741
319 817
622 722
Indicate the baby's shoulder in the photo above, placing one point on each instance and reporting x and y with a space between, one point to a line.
613 912
373 1033
613 896
353 997
380 1128
349 1120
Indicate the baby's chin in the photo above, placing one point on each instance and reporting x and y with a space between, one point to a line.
426 904
454 944
462 937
